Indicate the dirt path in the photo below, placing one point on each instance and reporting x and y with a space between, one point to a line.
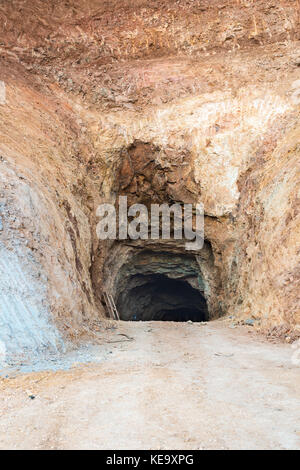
175 386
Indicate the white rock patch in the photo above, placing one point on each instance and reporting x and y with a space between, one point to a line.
26 331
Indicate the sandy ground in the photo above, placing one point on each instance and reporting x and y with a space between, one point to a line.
174 386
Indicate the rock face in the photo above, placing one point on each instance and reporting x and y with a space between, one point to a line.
163 102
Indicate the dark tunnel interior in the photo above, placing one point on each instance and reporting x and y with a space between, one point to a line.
157 297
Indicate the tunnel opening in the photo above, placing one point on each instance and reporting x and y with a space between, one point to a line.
157 297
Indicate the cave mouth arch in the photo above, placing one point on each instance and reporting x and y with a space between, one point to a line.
157 297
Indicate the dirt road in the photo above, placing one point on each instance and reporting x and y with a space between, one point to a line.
174 386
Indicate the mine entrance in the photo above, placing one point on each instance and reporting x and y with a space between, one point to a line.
157 297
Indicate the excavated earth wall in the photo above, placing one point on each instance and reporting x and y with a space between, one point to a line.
162 102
